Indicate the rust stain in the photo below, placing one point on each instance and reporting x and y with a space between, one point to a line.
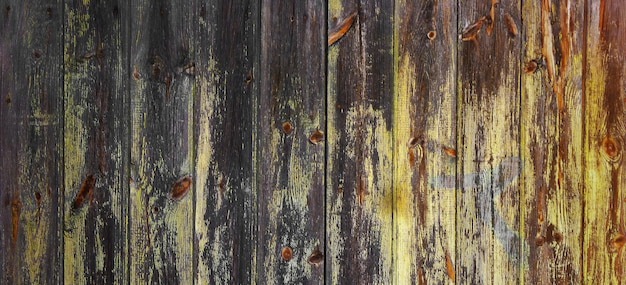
557 80
609 146
317 137
316 258
411 157
540 202
180 188
341 29
510 25
450 267
361 190
287 127
85 191
421 280
470 32
286 253
16 208
449 151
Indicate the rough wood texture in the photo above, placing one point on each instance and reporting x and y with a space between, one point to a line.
551 142
31 124
96 146
226 75
605 134
291 153
360 148
488 139
425 142
162 188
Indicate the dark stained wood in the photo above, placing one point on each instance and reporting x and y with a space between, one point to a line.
226 52
360 146
605 133
31 124
291 164
425 142
96 145
551 141
161 90
488 135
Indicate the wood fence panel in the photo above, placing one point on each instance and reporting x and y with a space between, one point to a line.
605 134
359 191
551 142
488 135
291 145
31 127
226 48
425 142
96 145
162 160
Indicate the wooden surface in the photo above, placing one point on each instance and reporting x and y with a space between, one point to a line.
293 142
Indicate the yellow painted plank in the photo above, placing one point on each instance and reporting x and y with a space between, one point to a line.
551 142
604 136
425 147
359 206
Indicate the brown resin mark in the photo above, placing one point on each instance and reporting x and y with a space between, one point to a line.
539 240
316 257
7 99
618 242
470 32
286 253
136 74
421 280
531 66
168 82
449 151
361 191
180 188
287 127
450 267
432 35
16 208
85 191
220 186
249 78
557 80
492 16
610 147
510 25
317 137
340 30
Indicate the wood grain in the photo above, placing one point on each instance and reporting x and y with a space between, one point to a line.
161 213
31 124
96 145
425 154
604 136
291 160
226 52
359 191
488 139
551 142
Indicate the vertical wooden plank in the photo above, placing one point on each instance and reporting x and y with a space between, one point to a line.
226 49
161 191
605 133
31 118
488 157
551 142
291 156
360 148
425 142
96 145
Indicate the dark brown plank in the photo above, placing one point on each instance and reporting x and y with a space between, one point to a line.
488 137
425 129
360 147
31 124
96 146
162 160
226 47
291 154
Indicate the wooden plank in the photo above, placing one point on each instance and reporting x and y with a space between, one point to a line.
605 133
96 145
551 142
162 160
488 139
291 146
360 147
31 172
425 142
226 48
